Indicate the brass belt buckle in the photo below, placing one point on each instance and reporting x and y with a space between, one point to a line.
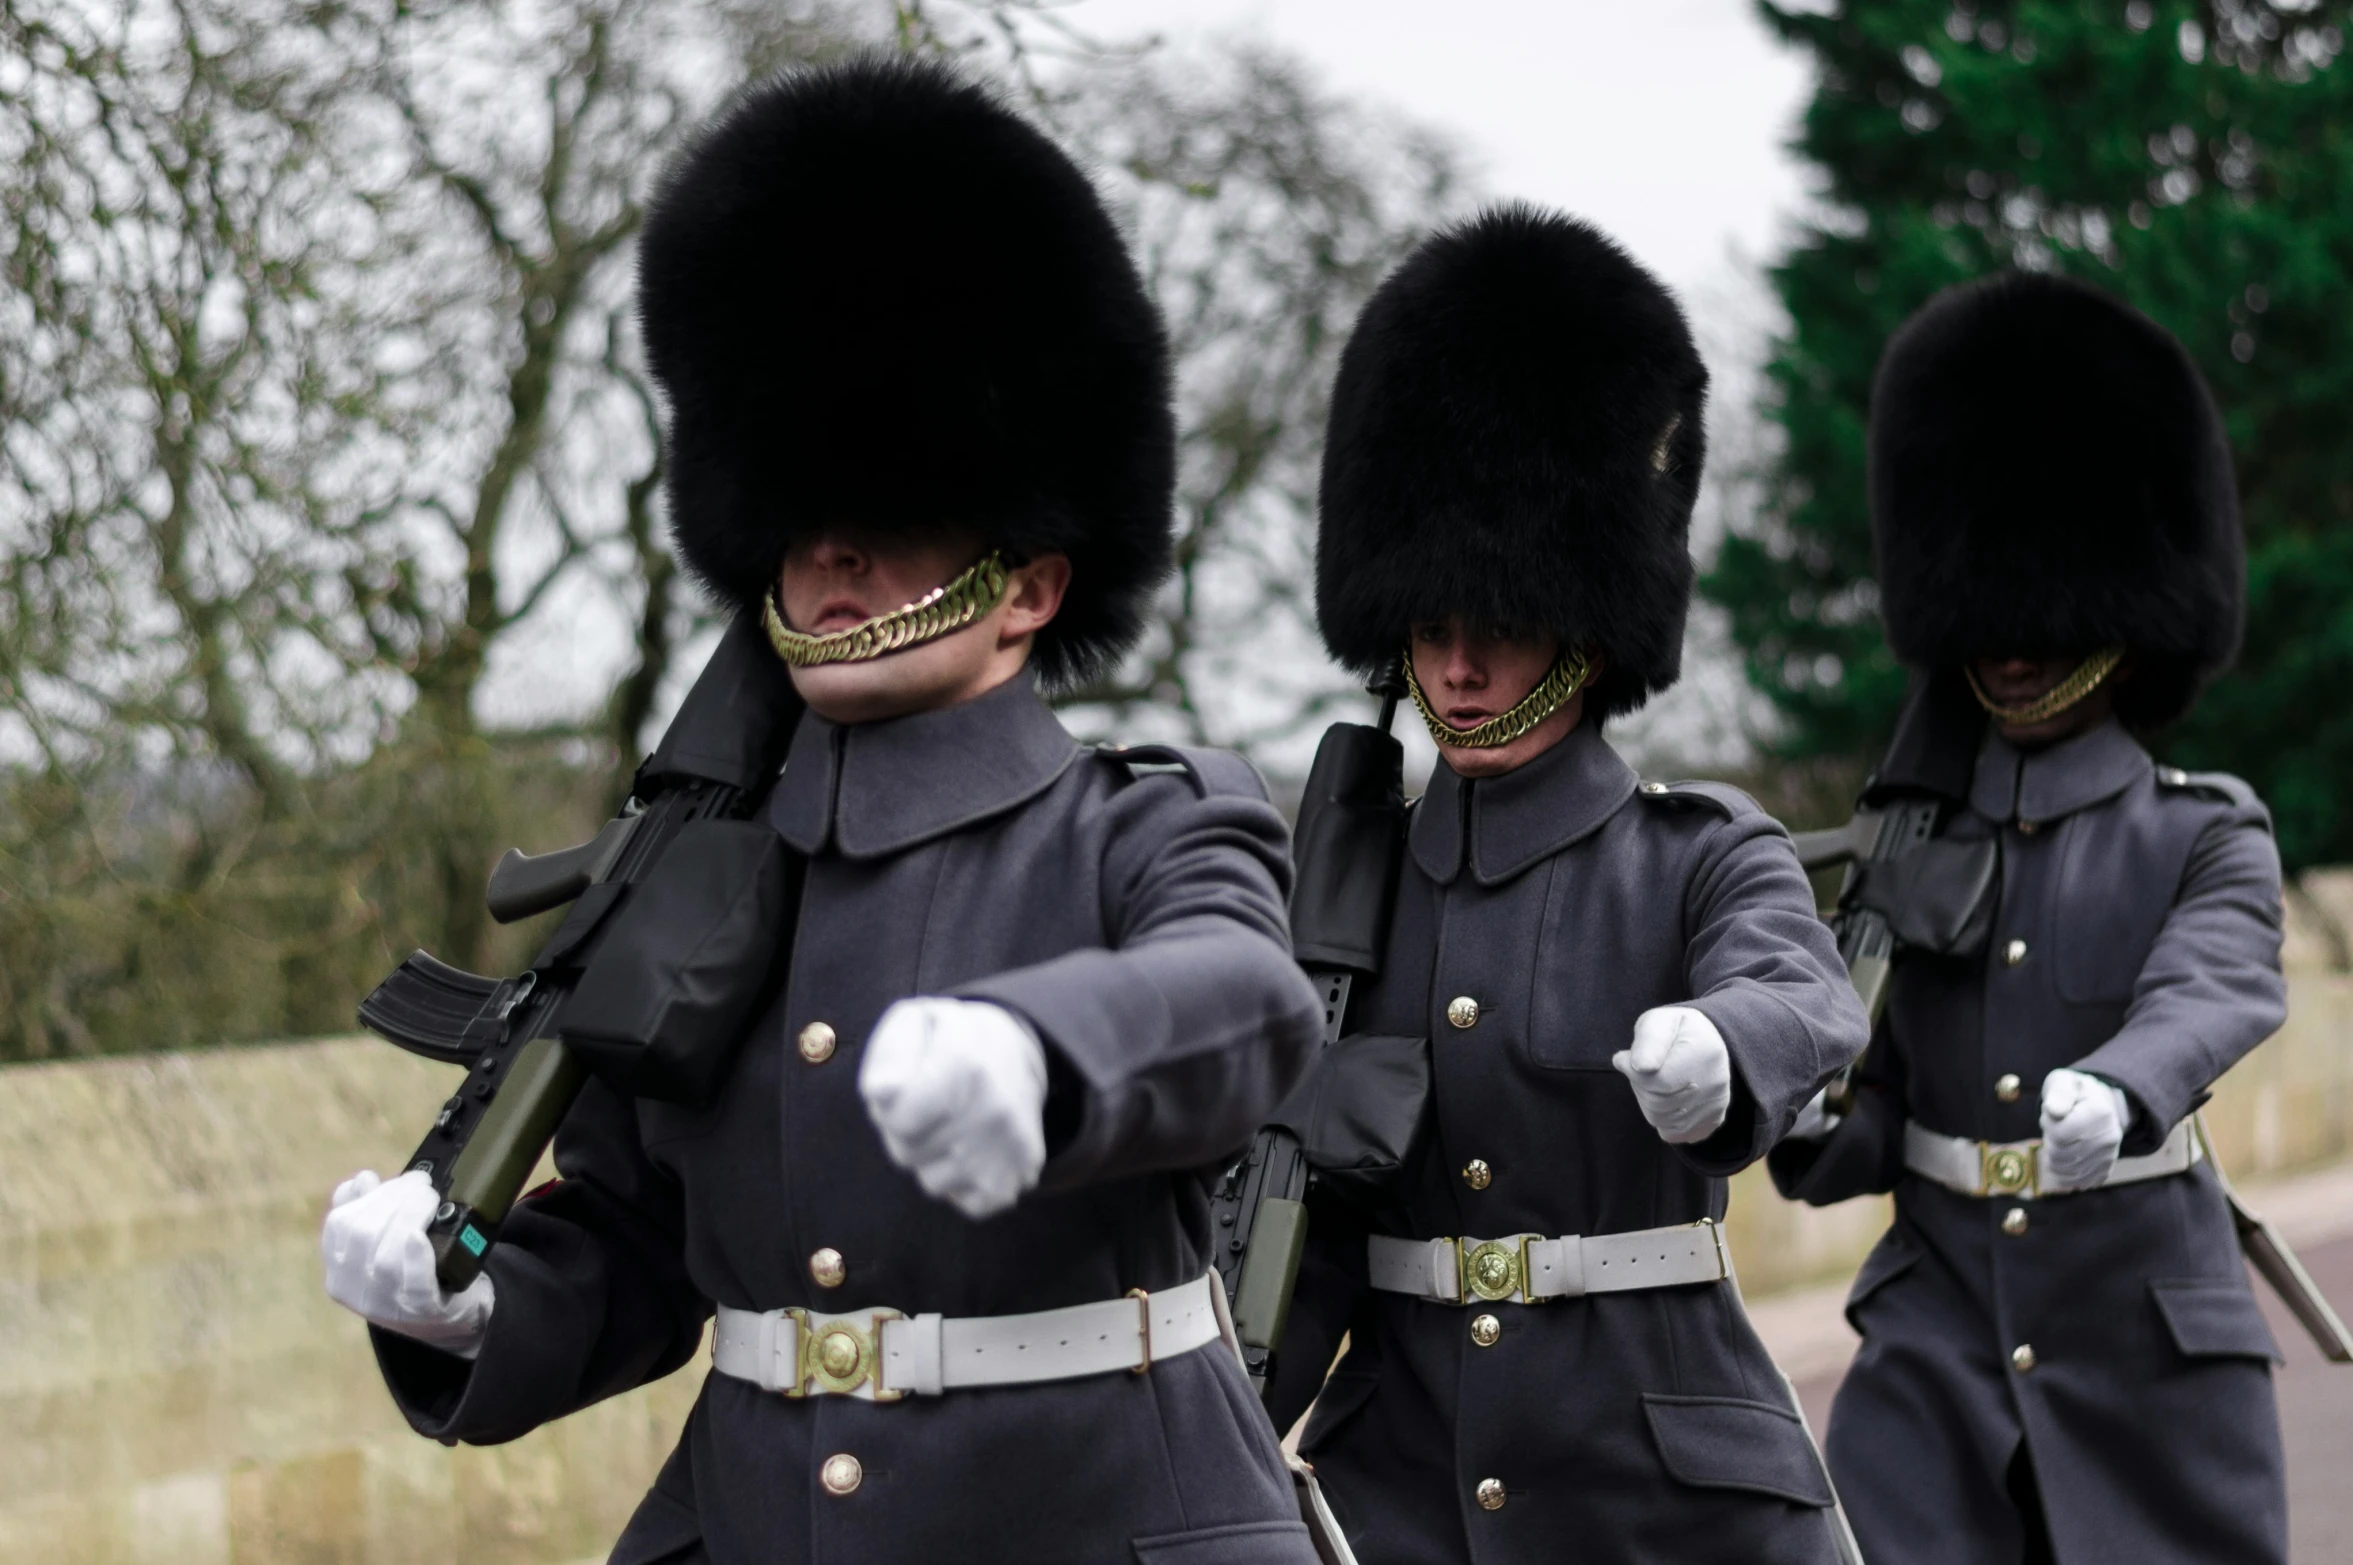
1493 1270
2005 1170
840 1357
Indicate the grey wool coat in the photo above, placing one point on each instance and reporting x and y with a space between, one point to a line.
1566 899
2137 939
1134 916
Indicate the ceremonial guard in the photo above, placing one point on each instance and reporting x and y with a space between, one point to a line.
949 1206
1624 987
2062 1359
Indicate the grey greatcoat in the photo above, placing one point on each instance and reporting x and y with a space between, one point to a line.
1135 919
2137 939
1566 900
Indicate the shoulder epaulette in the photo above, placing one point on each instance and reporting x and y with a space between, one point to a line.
1722 798
1209 771
2215 787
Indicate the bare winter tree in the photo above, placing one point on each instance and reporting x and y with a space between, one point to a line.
330 482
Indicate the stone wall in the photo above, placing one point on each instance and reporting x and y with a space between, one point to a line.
175 1388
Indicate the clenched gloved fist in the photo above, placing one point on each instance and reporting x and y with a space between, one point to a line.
1681 1071
2083 1122
958 1090
380 1264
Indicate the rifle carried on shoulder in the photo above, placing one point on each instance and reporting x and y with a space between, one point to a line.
1348 848
650 897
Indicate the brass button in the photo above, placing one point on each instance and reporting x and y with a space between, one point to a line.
1486 1330
2006 1088
1490 1494
1654 789
2014 1221
1477 1174
2022 1357
2027 828
841 1473
1463 1011
817 1041
2014 953
827 1269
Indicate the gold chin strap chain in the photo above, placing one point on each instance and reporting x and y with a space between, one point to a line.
2086 679
1568 676
943 609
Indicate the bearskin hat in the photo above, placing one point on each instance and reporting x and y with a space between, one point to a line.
873 295
2049 476
1516 437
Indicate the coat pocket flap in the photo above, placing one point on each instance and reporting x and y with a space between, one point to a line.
2213 1317
1731 1443
1889 1259
1242 1543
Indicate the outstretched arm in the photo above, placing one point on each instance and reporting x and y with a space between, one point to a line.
1170 1047
2211 988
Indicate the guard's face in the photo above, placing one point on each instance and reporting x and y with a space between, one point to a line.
1469 675
841 578
2015 681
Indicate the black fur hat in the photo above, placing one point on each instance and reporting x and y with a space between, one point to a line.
1516 437
874 295
2049 476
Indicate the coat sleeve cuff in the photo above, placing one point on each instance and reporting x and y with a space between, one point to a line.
1773 1074
522 1377
2157 1104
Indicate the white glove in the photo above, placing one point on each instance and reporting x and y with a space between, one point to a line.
1681 1071
958 1090
2083 1125
380 1264
1815 1121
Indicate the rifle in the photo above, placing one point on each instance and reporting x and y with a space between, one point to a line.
1866 940
1350 838
713 765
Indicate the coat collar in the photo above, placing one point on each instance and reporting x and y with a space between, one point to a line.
1512 821
2043 785
877 788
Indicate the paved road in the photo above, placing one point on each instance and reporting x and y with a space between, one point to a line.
2315 1407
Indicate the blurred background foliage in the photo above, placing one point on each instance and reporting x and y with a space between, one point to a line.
330 478
2192 156
321 409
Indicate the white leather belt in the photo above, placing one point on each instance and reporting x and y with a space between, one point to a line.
1529 1268
2014 1169
881 1355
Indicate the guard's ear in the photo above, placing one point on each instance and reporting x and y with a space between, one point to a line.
1033 595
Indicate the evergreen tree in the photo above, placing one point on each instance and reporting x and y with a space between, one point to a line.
2194 157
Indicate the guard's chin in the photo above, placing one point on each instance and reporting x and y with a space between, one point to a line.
897 684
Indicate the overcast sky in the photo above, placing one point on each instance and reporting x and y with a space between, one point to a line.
1662 120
